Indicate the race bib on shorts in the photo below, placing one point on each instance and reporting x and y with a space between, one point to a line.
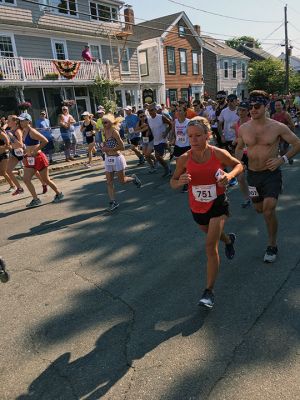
204 193
88 134
31 161
130 130
253 191
110 160
19 152
146 139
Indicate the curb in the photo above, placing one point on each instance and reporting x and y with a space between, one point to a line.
67 165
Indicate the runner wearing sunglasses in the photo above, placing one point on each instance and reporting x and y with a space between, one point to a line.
262 135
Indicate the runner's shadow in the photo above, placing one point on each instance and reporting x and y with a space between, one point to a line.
55 225
93 375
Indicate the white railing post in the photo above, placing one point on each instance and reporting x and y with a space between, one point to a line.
23 74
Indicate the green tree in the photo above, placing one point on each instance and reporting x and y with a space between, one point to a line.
267 75
245 40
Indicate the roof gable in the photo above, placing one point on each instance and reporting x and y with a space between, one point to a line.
221 49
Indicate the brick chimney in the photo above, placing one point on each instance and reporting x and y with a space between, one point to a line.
129 18
197 29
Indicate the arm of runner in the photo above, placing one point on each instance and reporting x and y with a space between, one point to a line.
290 122
18 140
4 137
239 150
287 135
220 126
180 177
228 161
169 123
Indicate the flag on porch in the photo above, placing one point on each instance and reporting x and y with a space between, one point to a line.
67 69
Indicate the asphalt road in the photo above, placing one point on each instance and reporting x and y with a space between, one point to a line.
104 306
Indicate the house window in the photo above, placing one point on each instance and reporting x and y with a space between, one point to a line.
95 51
124 57
183 61
101 12
143 63
181 30
67 7
225 69
234 67
13 2
185 94
172 95
171 60
243 70
59 49
6 46
195 59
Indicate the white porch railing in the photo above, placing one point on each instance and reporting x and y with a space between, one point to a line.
39 69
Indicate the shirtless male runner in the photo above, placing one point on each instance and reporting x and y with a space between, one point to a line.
262 135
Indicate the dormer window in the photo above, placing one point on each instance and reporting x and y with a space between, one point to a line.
181 30
103 12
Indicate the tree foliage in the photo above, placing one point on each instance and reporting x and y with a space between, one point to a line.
269 75
103 91
244 40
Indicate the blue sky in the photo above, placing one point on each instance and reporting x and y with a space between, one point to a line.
224 28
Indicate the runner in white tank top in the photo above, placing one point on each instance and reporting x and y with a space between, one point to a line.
157 125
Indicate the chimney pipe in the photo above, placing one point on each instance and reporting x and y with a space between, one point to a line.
129 18
197 29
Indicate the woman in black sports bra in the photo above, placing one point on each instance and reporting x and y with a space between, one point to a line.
4 156
15 136
88 128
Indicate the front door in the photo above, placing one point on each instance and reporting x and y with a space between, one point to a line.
83 104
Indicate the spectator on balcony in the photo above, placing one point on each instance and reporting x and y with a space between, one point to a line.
86 54
43 126
66 123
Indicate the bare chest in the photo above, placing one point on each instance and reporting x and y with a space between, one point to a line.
259 137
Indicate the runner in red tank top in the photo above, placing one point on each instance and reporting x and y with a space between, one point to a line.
202 169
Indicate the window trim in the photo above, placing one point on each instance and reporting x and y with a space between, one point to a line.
107 5
186 61
120 60
55 10
234 62
168 65
13 43
99 47
198 64
181 34
53 41
226 61
245 75
144 51
173 90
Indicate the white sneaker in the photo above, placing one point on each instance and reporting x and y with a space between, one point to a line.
270 254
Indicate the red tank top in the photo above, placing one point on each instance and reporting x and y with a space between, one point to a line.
281 117
203 188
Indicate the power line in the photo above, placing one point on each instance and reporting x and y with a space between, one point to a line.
221 15
270 34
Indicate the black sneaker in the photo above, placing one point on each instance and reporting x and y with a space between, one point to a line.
229 249
207 299
113 205
136 181
270 254
4 277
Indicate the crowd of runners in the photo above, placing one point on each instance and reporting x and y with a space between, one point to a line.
211 145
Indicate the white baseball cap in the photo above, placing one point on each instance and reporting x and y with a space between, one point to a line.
128 108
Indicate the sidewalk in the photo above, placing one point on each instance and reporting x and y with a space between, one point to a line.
60 164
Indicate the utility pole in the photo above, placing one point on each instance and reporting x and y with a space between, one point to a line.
287 50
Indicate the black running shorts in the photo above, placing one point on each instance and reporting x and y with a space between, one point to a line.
220 207
267 184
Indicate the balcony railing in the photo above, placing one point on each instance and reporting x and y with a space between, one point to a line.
39 69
